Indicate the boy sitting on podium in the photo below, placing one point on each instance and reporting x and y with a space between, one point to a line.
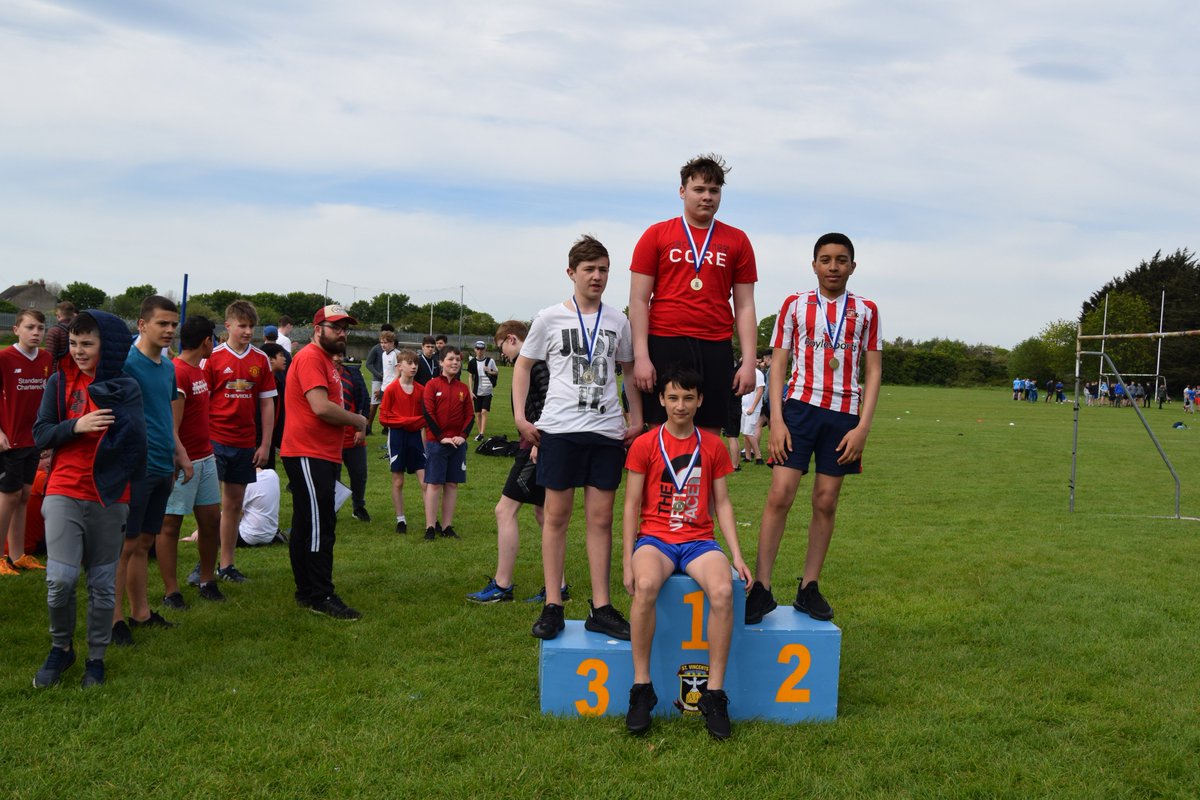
676 480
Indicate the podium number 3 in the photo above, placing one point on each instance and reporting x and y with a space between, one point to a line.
599 672
788 693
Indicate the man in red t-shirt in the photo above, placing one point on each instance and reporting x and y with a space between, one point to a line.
684 271
312 456
239 379
676 479
24 369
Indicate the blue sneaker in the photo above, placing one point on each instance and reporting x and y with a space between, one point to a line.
492 593
56 664
540 597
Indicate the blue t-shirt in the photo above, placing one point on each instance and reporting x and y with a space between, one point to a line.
158 390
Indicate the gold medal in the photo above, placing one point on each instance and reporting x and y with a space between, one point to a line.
697 284
587 377
678 507
833 363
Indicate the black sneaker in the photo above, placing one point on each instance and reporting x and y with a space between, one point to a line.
211 592
479 437
333 606
175 600
93 673
810 601
402 526
232 574
759 603
714 705
122 636
540 597
193 578
57 662
550 623
607 620
361 515
430 533
642 701
448 532
155 620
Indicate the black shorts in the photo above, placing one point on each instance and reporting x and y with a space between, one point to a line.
714 362
148 504
732 426
817 432
18 467
572 460
522 484
483 402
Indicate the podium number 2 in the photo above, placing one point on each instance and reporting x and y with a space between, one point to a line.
788 693
599 671
697 642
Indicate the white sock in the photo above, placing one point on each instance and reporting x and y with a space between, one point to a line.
401 518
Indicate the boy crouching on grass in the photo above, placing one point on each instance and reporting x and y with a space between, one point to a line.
676 480
829 334
400 414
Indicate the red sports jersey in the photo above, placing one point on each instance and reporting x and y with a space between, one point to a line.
22 383
400 409
667 513
675 308
304 433
236 384
349 432
72 471
449 409
192 383
804 327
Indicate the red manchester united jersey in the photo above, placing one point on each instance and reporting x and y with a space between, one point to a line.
237 382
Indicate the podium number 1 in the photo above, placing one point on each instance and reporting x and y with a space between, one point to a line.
788 693
697 642
599 671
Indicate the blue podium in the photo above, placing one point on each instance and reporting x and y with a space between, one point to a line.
784 668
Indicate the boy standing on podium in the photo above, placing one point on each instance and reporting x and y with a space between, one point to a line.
676 481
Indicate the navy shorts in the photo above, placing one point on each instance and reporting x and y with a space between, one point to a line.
680 554
714 362
18 467
148 504
818 431
235 464
571 460
522 484
405 450
445 463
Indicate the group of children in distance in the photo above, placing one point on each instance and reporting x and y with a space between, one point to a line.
568 409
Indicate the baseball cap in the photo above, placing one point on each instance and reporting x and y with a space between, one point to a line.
333 313
270 329
480 343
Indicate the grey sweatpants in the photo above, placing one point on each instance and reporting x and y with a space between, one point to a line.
87 535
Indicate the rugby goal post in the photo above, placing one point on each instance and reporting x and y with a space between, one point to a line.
1079 354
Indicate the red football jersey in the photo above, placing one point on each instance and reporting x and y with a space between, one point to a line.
22 383
237 382
194 432
401 409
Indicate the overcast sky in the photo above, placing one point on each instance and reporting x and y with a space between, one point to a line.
994 163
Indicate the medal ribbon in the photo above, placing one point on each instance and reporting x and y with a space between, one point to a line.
834 337
662 448
590 344
698 255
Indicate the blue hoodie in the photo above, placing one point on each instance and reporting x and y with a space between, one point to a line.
121 452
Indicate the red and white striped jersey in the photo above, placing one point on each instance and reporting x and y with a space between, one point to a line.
804 328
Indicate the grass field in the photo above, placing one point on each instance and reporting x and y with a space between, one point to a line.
993 645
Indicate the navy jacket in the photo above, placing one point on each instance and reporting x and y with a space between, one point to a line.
121 453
